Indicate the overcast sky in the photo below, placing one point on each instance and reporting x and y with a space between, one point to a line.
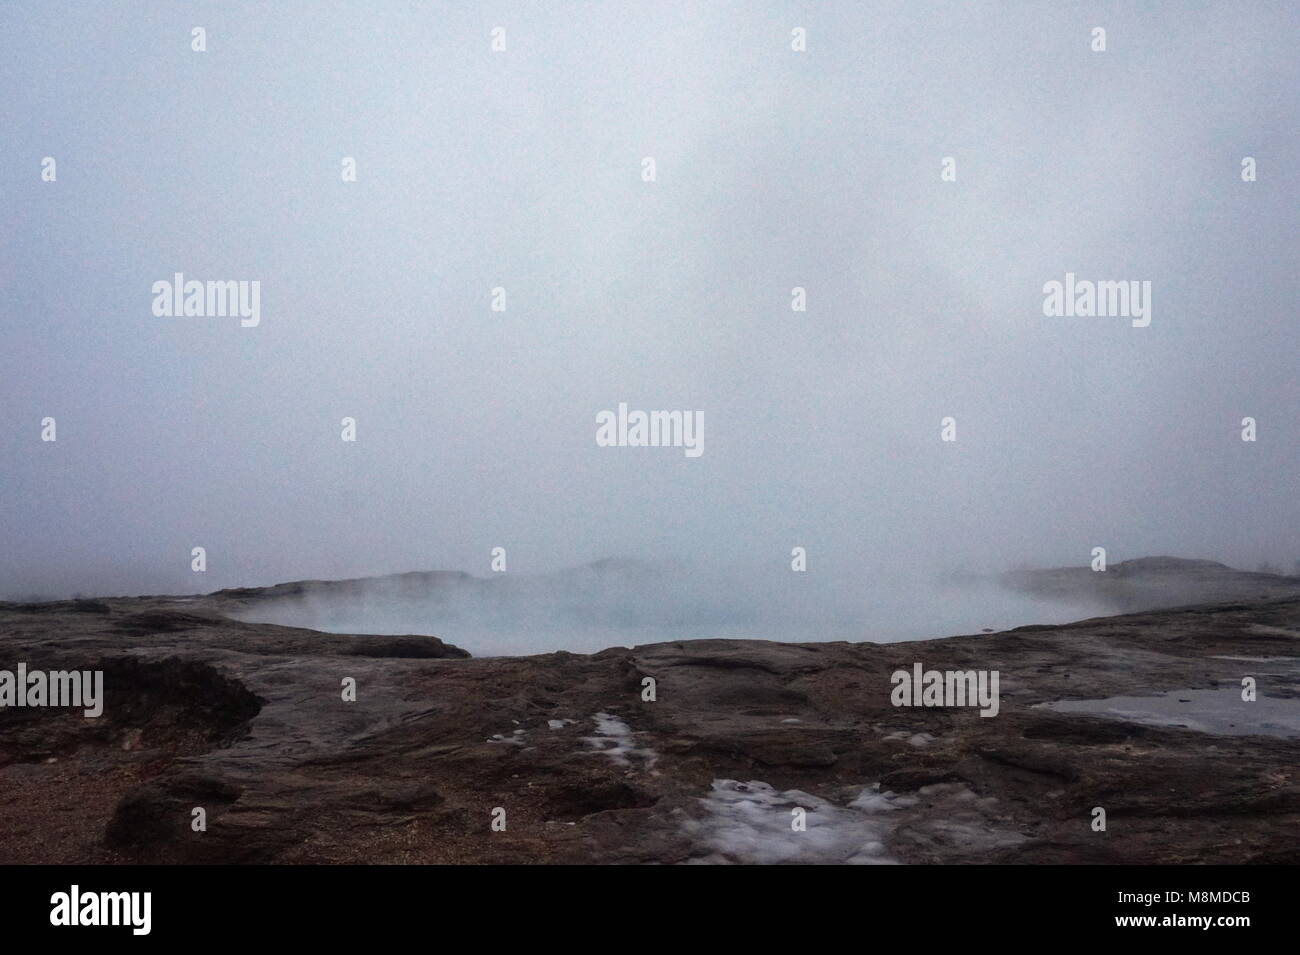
523 169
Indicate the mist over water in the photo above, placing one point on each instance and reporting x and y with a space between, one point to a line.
630 603
522 170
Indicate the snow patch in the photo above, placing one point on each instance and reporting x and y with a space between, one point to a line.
615 739
912 739
751 823
872 799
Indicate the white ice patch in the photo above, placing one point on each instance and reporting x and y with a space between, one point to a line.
751 823
559 724
615 739
514 739
872 799
912 739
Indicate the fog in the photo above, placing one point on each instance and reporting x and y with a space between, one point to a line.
523 170
629 603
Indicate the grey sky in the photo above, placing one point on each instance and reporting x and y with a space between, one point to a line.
522 169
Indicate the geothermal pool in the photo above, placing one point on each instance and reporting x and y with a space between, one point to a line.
585 614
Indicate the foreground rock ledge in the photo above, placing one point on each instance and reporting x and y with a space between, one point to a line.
246 721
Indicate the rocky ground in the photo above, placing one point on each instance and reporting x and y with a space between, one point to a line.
248 721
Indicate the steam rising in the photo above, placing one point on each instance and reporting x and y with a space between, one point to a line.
476 429
626 603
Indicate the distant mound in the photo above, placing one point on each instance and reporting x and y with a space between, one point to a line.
1153 583
1180 565
417 584
411 584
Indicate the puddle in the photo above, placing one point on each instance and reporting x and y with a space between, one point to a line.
1219 711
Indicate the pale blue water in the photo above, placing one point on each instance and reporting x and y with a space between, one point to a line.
588 613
